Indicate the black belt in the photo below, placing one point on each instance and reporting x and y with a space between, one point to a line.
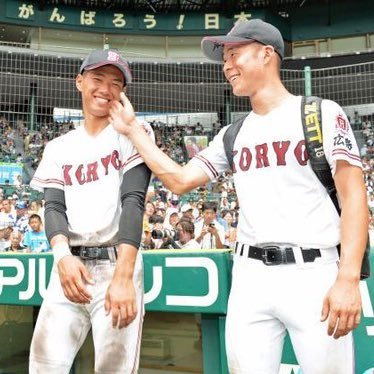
276 255
93 253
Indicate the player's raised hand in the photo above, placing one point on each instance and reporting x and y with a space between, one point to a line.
122 115
73 276
342 307
120 301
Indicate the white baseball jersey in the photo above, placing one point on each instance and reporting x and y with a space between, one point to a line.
90 170
281 198
282 201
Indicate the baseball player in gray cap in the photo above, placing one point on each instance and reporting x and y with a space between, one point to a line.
94 183
287 275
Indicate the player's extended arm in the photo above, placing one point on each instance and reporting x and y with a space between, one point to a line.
176 178
120 298
71 270
343 302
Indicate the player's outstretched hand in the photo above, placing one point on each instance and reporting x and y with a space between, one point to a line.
342 307
73 277
120 301
122 115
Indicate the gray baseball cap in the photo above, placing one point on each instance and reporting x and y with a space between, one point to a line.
244 31
101 57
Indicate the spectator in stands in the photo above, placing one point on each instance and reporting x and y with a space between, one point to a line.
147 229
36 207
156 222
7 215
5 232
230 232
187 212
171 219
199 128
26 143
192 147
174 200
186 233
36 240
13 199
209 232
22 222
161 209
19 158
149 210
225 204
18 181
15 243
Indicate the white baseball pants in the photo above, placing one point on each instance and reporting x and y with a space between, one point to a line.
265 301
62 327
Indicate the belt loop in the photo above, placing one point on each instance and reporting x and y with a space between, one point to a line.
112 254
242 250
299 259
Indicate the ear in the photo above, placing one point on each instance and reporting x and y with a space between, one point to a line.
268 53
79 82
124 90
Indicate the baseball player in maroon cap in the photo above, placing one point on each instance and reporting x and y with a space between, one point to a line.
94 183
287 275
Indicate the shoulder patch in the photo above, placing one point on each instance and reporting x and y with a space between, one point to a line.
341 124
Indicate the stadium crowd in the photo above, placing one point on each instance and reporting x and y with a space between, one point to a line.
206 218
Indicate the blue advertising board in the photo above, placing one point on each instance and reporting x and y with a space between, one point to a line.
9 172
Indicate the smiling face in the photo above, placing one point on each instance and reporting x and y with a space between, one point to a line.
99 87
245 66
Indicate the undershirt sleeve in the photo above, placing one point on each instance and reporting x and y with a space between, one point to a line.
56 221
133 191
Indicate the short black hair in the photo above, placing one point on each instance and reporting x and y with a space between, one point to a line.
209 205
187 226
35 216
155 218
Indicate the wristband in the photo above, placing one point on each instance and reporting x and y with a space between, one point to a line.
60 250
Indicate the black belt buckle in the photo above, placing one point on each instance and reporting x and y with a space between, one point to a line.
272 255
86 253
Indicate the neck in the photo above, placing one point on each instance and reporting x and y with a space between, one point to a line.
268 97
94 125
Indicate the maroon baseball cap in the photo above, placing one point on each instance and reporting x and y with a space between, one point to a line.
244 31
102 57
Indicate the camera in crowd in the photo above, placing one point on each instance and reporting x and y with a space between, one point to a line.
164 234
169 237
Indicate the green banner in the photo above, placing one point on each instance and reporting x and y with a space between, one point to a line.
101 20
202 286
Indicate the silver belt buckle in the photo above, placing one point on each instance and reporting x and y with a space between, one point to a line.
278 256
89 253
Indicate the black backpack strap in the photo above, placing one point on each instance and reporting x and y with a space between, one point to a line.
311 116
229 139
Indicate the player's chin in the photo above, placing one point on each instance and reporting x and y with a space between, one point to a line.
239 91
101 112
